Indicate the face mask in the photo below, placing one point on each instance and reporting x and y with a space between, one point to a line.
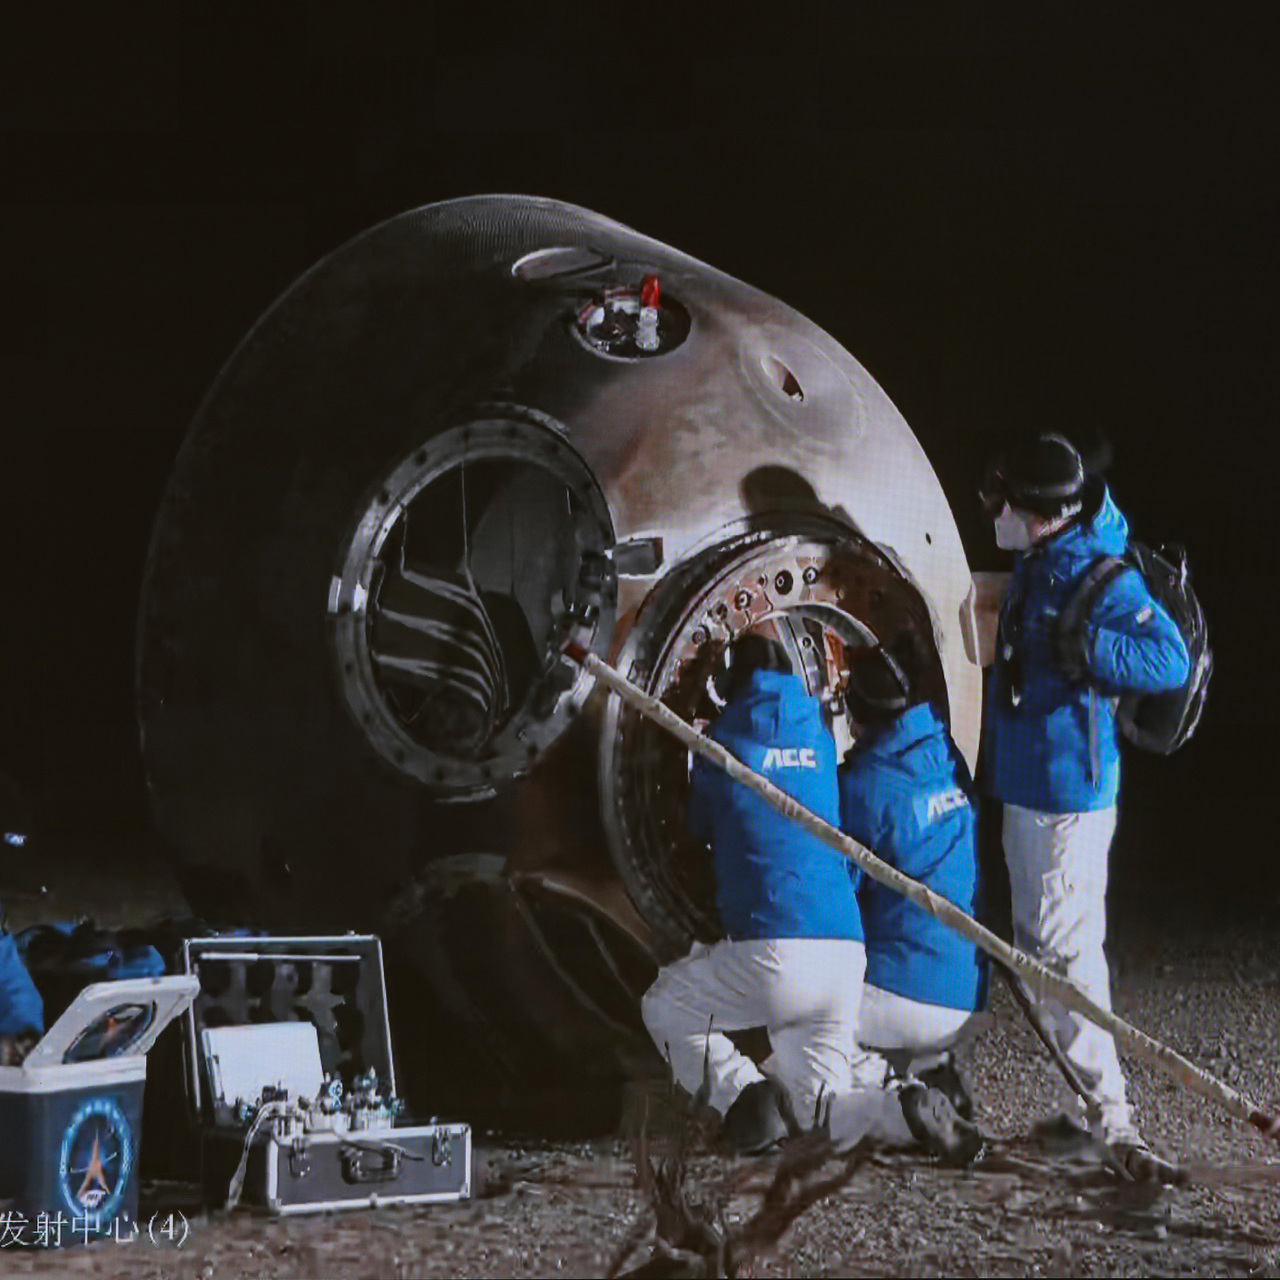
1011 531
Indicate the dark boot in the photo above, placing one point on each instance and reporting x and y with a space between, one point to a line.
933 1121
759 1119
945 1076
1143 1165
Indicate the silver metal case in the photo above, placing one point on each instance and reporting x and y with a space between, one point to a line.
349 969
320 1171
311 1164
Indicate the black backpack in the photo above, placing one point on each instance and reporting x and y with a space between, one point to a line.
1159 722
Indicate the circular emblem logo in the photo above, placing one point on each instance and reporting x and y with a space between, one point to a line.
96 1159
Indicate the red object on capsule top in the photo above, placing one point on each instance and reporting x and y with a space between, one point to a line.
650 291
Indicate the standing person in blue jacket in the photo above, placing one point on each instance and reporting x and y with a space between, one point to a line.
906 793
792 958
1052 750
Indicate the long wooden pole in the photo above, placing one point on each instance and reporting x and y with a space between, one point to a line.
1042 981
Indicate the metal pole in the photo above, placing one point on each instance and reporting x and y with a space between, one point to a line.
1042 981
1023 999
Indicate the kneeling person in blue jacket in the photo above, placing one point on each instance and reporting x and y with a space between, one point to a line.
792 958
906 793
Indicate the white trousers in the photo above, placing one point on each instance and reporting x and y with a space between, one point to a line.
902 1035
805 992
910 1033
1058 877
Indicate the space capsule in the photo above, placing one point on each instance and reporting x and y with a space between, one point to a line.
475 433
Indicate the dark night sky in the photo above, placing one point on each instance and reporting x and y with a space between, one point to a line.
1034 216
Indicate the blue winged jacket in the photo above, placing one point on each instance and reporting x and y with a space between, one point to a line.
906 794
774 879
1055 748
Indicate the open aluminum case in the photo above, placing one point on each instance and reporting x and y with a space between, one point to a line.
285 1012
334 983
71 1114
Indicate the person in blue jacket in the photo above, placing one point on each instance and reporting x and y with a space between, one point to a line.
1051 744
792 957
21 1009
906 794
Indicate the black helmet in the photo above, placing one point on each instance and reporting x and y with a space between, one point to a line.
878 687
749 653
1043 474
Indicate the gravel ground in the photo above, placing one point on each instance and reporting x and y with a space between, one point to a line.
567 1210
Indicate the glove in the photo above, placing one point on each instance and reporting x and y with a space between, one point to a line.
15 1047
